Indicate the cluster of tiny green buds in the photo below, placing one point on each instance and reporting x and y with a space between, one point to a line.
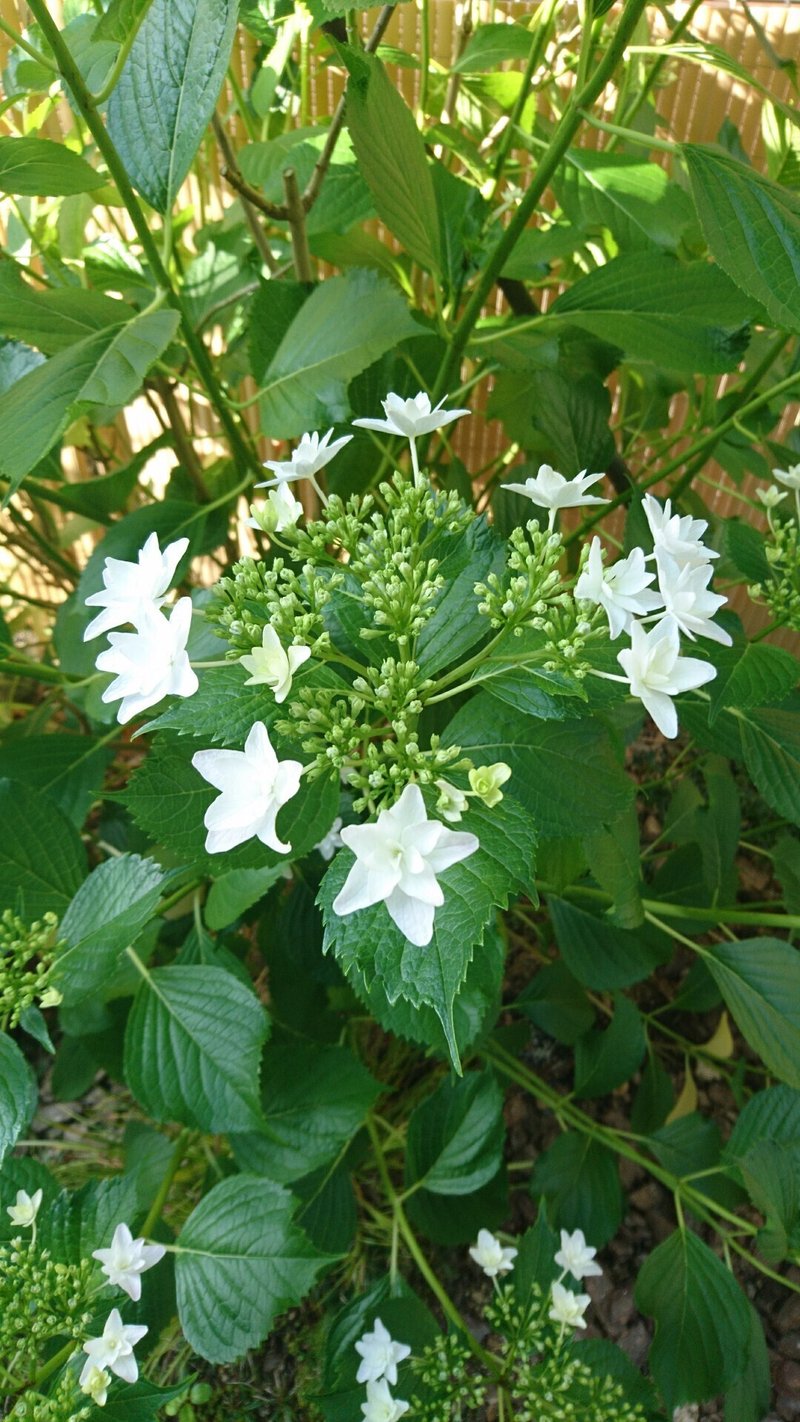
63 1403
780 592
27 953
291 601
530 587
446 1370
40 1299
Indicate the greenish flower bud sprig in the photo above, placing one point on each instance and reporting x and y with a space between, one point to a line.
257 595
27 954
41 1299
62 1404
780 592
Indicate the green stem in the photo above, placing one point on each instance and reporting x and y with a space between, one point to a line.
243 455
541 35
119 63
29 48
548 166
53 1364
36 670
159 1200
689 911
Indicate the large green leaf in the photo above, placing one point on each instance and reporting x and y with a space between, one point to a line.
119 19
315 1098
167 91
601 954
702 1320
370 942
391 158
682 316
346 324
17 1093
604 1059
579 1179
38 167
752 227
635 198
239 1261
771 1115
54 317
750 676
104 369
42 859
759 979
455 1137
108 912
543 756
67 768
224 708
771 749
179 1061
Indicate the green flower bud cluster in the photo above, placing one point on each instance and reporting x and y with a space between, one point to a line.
64 1403
531 586
256 594
340 527
781 592
26 959
446 1368
40 1299
569 630
563 1389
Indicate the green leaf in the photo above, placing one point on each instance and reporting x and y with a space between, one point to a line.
38 167
103 369
637 200
748 1398
702 1320
107 914
604 1059
240 1243
786 867
168 798
543 756
682 316
580 1182
17 1094
42 858
79 1221
455 1137
370 941
237 891
571 416
167 92
771 750
770 1173
752 227
178 1058
454 626
391 158
750 676
346 324
744 545
140 1401
54 318
272 311
771 1115
490 44
314 1100
119 19
613 855
69 769
557 1004
224 708
759 979
600 954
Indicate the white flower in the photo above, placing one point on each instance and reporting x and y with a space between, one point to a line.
379 1355
281 510
380 1406
452 802
550 490
312 454
790 477
131 589
397 860
127 1259
269 665
656 671
576 1256
411 418
254 785
493 1258
485 781
569 1308
621 590
680 537
95 1383
771 497
331 841
151 662
25 1209
114 1350
689 600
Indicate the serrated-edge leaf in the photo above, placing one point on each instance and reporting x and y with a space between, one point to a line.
17 1094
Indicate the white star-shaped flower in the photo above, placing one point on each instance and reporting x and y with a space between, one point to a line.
254 785
656 671
25 1209
271 665
113 1350
380 1406
790 477
770 497
151 662
132 589
689 600
452 802
621 590
280 510
332 841
550 490
491 1255
568 1308
127 1259
576 1257
312 454
679 536
397 860
411 418
379 1355
95 1383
